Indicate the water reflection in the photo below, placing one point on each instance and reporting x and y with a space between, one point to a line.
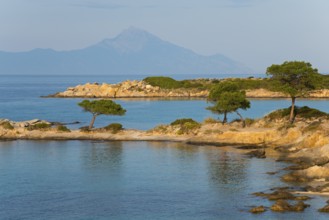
179 150
131 180
226 168
103 155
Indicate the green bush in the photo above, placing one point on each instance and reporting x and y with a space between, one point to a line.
211 121
191 126
85 129
307 112
163 82
300 112
279 114
182 121
159 128
114 127
322 82
39 126
251 83
249 121
186 125
63 128
170 83
7 125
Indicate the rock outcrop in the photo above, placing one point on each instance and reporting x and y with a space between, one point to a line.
127 89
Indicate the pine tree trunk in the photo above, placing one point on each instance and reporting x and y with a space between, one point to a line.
242 119
225 117
91 125
292 111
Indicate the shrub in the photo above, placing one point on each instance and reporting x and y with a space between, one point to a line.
307 112
114 127
301 112
63 128
170 83
182 121
85 129
7 125
249 121
211 121
159 128
186 125
39 126
163 82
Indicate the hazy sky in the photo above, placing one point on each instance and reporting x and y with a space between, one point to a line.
257 33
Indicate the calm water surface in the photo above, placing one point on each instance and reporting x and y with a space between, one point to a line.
128 180
133 180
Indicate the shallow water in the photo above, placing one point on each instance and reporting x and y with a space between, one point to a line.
133 180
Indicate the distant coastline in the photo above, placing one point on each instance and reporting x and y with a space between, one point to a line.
199 88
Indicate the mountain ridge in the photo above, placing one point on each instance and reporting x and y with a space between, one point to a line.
133 51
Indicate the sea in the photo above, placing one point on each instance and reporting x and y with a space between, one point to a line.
130 180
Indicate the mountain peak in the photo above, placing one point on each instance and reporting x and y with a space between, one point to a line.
130 40
134 32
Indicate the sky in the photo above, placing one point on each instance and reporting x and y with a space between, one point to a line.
257 33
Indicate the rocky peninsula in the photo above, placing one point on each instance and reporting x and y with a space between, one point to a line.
306 138
143 89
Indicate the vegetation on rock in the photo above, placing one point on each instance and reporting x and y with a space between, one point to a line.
101 107
6 125
85 129
114 127
63 128
304 112
186 125
39 126
211 121
170 83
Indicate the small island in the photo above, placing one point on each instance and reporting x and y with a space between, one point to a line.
166 87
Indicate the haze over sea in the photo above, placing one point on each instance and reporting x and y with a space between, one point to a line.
128 180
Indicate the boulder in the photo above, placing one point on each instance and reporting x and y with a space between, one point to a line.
257 210
283 206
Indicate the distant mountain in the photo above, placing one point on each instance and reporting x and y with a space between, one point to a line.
134 51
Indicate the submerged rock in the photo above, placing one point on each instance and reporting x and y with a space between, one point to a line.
324 209
257 153
281 194
257 210
284 206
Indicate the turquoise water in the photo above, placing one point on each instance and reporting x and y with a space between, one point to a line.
128 180
133 180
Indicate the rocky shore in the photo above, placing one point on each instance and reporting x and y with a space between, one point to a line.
141 89
304 144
